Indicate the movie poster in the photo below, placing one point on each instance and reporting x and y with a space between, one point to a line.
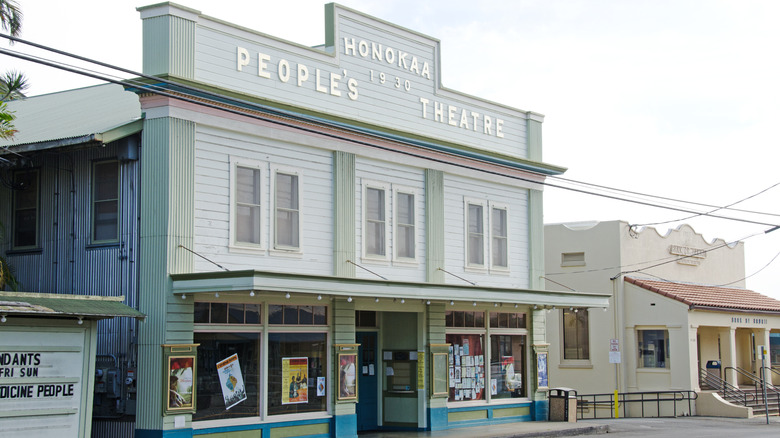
180 382
232 381
295 375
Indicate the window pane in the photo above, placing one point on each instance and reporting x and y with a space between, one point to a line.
215 347
106 180
106 219
499 236
467 368
653 349
507 365
306 316
25 209
201 313
291 314
235 313
320 315
248 185
479 319
295 361
219 313
405 225
287 191
576 344
287 212
469 319
375 204
275 314
460 319
375 238
247 205
252 313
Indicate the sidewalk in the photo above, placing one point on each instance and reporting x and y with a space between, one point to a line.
509 430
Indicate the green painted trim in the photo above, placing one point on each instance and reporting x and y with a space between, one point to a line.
481 414
434 231
344 232
511 412
534 136
169 46
535 239
303 430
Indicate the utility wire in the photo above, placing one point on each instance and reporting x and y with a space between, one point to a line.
707 213
198 100
647 195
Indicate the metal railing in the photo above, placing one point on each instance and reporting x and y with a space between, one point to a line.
727 390
594 406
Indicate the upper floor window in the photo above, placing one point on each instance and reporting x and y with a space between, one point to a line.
576 345
26 209
247 195
287 227
405 235
475 228
105 201
499 234
375 224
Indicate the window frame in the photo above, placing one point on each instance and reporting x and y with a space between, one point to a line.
94 201
260 167
640 348
575 361
387 221
397 192
37 228
468 202
505 208
276 246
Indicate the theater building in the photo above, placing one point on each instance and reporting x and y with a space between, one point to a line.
330 241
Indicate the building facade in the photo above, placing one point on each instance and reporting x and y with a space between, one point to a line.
69 200
678 302
330 239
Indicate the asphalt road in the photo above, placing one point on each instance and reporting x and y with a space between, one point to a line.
693 427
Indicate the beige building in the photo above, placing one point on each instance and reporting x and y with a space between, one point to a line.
678 302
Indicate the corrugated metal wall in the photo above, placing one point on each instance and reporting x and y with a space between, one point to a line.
67 262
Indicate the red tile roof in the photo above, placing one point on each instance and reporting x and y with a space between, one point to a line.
710 296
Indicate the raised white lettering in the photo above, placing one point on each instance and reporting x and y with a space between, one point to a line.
499 128
303 74
334 84
451 118
352 85
363 48
438 111
284 70
424 103
349 45
319 87
262 58
376 51
242 56
488 124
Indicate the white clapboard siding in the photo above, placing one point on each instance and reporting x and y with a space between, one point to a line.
394 175
458 188
214 149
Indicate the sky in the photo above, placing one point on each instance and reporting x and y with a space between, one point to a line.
678 99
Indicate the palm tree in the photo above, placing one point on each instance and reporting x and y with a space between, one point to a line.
12 85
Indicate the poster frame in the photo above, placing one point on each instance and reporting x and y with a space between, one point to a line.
343 360
173 354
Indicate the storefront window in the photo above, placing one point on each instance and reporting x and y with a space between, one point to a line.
297 372
507 366
466 367
215 348
653 348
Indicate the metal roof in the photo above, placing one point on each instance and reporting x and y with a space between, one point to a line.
101 113
79 306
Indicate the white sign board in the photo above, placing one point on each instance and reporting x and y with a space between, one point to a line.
40 381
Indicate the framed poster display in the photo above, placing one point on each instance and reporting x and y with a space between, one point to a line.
347 377
295 378
440 375
179 378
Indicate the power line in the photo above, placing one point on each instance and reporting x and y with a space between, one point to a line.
647 195
199 97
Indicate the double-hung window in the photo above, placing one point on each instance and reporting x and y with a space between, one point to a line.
475 234
375 227
105 201
405 235
576 342
246 194
26 209
287 224
499 237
